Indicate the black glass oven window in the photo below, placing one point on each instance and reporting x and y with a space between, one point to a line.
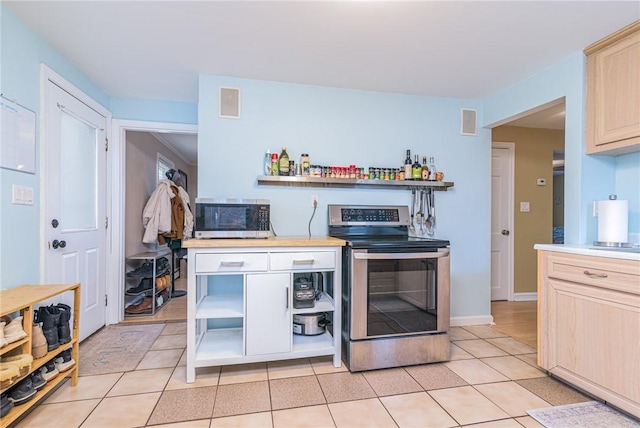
402 296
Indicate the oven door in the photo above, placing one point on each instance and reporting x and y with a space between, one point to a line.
399 293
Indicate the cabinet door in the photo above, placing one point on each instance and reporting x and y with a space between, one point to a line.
613 89
592 334
268 314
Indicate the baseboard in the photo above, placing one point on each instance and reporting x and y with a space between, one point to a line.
475 320
525 297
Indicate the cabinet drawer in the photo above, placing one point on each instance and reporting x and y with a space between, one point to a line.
615 274
303 261
231 262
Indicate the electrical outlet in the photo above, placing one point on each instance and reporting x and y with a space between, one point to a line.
314 201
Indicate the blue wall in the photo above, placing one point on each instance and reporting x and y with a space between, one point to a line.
336 126
587 178
21 54
342 127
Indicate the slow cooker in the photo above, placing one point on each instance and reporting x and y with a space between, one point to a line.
310 324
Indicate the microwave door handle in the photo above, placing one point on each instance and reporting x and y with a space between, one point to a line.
401 256
231 263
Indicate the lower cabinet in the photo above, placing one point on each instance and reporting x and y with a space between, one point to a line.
241 303
268 329
589 325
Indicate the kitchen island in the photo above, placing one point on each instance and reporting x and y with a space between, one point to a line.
241 305
589 320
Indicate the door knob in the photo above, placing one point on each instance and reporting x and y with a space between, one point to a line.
505 232
61 244
54 223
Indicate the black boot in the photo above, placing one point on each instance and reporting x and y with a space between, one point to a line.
64 330
49 327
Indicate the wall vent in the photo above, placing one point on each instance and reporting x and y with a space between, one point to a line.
468 122
229 106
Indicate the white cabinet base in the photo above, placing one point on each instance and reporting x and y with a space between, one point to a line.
252 289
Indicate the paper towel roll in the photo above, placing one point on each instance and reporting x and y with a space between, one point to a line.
613 221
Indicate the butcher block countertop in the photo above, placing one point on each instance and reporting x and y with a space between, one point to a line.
272 241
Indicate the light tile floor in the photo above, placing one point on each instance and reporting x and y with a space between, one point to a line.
491 381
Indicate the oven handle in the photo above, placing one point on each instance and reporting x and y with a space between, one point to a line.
442 252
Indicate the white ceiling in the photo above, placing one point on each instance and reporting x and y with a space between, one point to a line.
463 49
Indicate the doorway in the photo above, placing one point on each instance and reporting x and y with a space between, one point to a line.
139 146
535 136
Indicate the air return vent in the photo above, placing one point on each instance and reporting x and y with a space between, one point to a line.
229 103
468 123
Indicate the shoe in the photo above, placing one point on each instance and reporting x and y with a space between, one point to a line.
37 380
49 371
141 308
22 392
21 361
145 284
2 341
13 331
9 374
145 270
64 329
5 405
64 361
38 341
47 316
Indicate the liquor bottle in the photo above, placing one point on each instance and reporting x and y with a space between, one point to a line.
425 169
416 170
284 162
432 169
407 166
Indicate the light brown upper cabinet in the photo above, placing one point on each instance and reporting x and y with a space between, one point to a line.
613 93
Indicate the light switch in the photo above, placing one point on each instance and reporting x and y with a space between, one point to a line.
524 207
21 195
541 182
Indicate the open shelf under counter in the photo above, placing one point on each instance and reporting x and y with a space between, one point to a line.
220 306
219 344
324 304
309 346
350 182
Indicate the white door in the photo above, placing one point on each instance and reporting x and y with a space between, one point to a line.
502 166
268 314
74 202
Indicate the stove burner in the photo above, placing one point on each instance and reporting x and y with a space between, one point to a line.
372 226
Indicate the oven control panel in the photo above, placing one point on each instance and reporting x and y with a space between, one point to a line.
344 215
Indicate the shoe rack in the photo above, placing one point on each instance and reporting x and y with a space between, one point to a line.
24 299
145 301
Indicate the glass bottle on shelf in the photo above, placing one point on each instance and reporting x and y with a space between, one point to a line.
407 166
425 169
416 170
274 164
284 162
432 169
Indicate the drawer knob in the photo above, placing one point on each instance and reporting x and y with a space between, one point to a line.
595 275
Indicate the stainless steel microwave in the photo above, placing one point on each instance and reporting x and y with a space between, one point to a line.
232 218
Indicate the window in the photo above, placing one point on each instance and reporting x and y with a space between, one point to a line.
164 165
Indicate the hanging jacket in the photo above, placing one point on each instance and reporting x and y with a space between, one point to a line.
156 216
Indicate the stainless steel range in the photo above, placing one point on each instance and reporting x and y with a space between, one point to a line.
395 289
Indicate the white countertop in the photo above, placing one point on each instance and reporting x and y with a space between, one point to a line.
591 250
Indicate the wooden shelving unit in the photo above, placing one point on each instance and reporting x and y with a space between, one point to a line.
23 299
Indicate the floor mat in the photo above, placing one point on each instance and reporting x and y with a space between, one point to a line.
117 348
592 414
